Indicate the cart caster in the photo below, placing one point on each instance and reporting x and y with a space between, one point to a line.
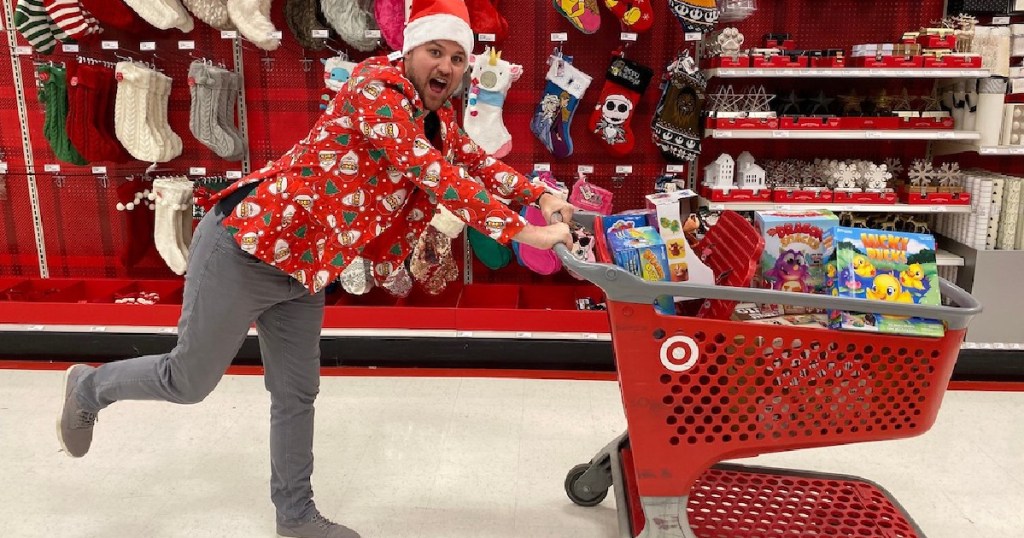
583 490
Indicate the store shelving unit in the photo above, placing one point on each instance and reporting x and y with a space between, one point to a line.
844 72
808 134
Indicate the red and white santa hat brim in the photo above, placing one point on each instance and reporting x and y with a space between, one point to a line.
438 20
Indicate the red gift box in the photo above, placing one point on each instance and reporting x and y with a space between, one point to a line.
950 61
847 197
808 123
737 195
937 42
869 124
926 123
802 196
828 61
888 61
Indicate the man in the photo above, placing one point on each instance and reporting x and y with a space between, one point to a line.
363 183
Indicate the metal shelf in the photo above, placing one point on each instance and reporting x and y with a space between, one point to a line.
856 208
801 134
845 72
952 148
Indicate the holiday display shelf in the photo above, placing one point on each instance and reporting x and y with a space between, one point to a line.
811 134
856 208
954 148
844 72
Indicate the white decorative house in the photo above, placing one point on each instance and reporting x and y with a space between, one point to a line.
721 174
753 177
744 161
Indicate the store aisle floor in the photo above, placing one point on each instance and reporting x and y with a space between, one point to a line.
430 457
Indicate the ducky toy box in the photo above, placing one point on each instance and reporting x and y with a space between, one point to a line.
794 252
642 251
882 266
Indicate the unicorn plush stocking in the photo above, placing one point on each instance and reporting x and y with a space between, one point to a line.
491 78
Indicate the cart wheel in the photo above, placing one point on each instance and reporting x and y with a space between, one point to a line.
582 494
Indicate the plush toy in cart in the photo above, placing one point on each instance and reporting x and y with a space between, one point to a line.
883 266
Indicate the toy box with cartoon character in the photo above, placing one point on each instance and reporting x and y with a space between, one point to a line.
883 266
793 252
642 252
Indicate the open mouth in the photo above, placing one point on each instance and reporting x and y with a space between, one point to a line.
438 85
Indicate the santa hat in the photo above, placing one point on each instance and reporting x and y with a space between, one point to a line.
438 20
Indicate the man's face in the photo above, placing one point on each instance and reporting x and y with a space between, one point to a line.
435 69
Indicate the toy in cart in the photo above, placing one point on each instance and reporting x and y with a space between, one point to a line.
893 267
702 389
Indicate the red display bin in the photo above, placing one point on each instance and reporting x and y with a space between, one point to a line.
778 61
737 195
917 197
809 122
727 62
742 123
847 197
869 124
800 196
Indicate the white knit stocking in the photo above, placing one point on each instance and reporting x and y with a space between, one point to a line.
163 14
252 17
167 225
212 12
172 145
131 107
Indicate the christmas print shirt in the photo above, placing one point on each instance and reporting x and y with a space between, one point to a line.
366 182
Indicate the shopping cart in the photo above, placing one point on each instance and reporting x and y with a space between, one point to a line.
697 391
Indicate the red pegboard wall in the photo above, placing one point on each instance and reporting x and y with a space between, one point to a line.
85 234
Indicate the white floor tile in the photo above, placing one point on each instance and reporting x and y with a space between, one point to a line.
435 458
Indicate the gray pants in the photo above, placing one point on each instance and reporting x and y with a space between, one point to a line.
226 290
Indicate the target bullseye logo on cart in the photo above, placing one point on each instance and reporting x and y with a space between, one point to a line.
679 353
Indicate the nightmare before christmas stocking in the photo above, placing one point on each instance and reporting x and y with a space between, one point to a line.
635 15
676 123
566 86
491 78
695 15
625 83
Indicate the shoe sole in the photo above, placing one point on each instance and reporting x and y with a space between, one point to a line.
64 403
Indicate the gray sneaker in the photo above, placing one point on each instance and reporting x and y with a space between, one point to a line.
316 527
74 426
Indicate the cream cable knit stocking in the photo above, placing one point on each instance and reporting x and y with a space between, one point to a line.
163 14
212 12
252 17
171 145
351 22
130 110
167 225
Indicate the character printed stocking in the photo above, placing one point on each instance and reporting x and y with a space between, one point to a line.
676 123
356 278
566 86
635 15
491 78
583 14
625 83
695 15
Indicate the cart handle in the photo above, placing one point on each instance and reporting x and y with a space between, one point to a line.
622 286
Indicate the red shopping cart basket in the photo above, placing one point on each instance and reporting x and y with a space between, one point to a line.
698 391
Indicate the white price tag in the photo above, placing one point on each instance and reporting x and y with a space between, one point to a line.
996 21
723 134
787 72
69 47
627 36
718 207
783 207
197 171
277 34
372 34
229 34
168 330
850 208
872 134
99 169
463 334
486 38
23 50
233 174
524 335
585 169
186 45
98 329
35 327
109 45
987 151
949 135
51 167
590 336
1017 151
394 55
321 34
694 36
559 37
542 167
675 168
780 134
624 169
147 45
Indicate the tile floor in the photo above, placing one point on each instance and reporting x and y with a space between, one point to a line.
434 457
